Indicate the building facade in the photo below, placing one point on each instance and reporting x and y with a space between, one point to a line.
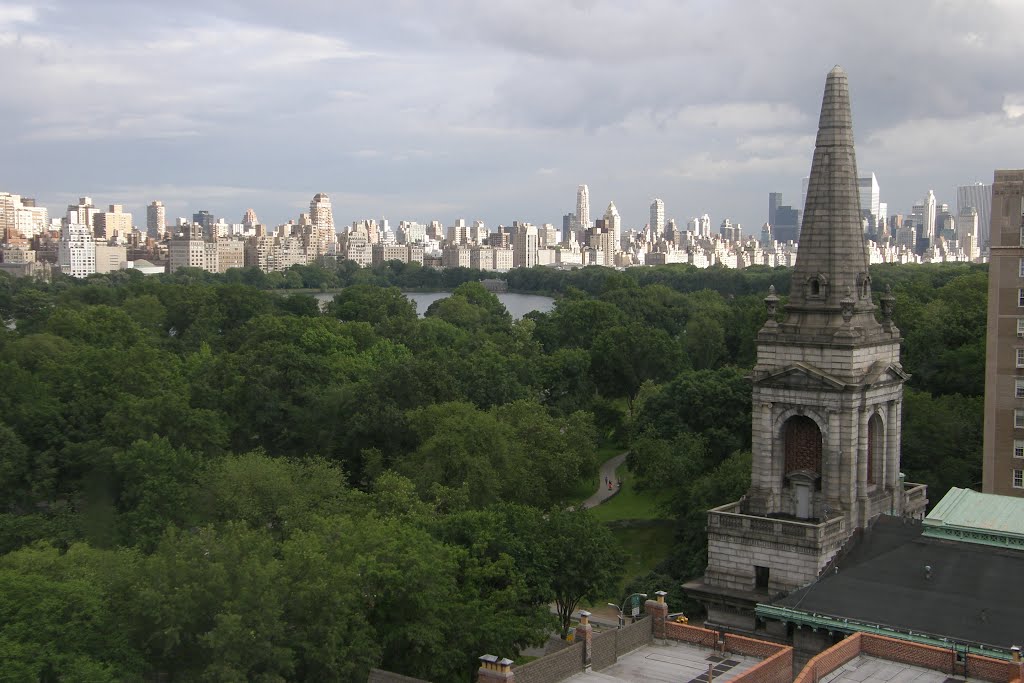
1003 450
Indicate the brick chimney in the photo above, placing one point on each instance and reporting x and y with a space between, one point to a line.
494 669
658 611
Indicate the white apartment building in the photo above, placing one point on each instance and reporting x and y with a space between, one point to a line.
76 253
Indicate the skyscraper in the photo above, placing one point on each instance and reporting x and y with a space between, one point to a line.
1003 449
249 219
156 220
657 218
928 219
869 196
613 224
582 208
979 196
774 202
205 219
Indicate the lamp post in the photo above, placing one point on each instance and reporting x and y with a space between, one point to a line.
622 610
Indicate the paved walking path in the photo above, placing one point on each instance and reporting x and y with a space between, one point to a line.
607 472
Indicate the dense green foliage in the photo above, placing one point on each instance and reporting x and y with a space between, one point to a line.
217 482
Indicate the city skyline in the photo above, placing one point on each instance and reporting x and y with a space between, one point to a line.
493 112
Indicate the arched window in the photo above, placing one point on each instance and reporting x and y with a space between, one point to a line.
815 287
876 447
802 445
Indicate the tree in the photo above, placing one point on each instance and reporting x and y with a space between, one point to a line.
625 357
583 560
374 305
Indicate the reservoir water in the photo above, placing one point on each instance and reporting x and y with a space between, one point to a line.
518 305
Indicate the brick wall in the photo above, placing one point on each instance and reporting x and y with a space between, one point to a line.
552 668
604 653
988 669
379 676
776 665
830 660
751 647
629 638
691 634
906 652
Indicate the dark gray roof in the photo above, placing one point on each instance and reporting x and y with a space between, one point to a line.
972 593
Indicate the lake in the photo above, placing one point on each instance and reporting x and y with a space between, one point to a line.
517 304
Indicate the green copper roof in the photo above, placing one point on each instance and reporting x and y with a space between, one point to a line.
966 515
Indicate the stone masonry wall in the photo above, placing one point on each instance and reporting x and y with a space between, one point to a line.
552 668
731 560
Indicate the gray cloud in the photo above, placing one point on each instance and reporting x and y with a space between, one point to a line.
496 110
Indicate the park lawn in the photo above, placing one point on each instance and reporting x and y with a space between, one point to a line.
629 503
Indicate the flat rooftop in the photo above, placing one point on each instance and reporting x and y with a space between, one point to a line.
865 669
675 662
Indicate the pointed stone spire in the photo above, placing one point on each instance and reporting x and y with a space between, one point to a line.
832 263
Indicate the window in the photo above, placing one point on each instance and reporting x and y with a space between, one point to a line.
761 573
1020 327
1021 268
1020 298
1018 448
1018 418
1018 389
1020 358
1018 479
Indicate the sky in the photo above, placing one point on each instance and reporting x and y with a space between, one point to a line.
496 110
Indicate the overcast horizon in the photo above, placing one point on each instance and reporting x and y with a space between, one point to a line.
496 111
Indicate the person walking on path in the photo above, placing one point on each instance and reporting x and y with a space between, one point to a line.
605 492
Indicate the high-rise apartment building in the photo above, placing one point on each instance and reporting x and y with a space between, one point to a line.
979 196
113 223
967 231
1003 450
613 225
156 220
657 218
582 208
20 217
321 219
206 220
524 245
83 213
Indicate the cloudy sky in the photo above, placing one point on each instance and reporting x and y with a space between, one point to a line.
496 109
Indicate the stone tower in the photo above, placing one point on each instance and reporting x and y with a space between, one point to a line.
827 390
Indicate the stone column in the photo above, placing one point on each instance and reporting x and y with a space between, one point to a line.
658 611
585 635
892 454
837 490
862 466
494 669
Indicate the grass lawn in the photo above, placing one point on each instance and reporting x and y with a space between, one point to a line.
629 503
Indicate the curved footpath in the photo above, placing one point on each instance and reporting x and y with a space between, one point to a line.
607 473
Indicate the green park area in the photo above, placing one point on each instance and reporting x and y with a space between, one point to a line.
208 480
